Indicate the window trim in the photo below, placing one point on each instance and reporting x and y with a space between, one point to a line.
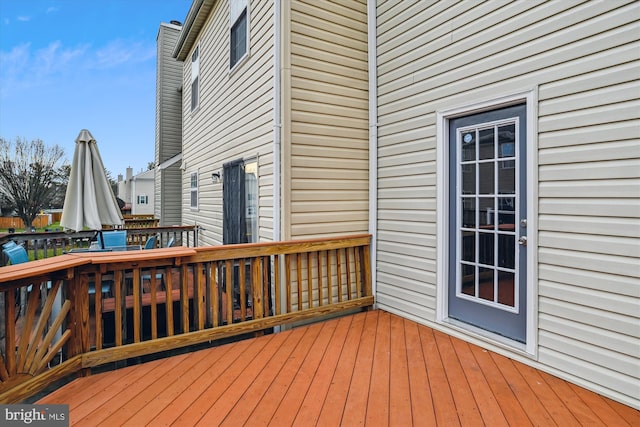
255 231
195 78
235 14
140 197
193 190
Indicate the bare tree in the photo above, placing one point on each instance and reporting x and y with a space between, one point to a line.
30 175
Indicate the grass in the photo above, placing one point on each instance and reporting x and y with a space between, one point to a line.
31 252
49 227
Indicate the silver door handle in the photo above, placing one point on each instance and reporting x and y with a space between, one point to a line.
522 241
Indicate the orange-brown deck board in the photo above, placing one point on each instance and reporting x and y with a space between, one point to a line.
371 368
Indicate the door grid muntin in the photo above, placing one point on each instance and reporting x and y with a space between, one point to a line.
498 202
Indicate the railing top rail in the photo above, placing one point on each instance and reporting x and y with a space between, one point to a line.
169 228
38 268
245 250
133 256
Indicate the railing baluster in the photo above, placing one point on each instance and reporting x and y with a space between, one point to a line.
168 279
347 263
256 285
184 298
320 281
229 291
356 261
276 280
215 293
266 279
287 271
10 330
137 305
299 279
98 309
199 297
207 294
329 285
117 285
27 325
309 280
339 274
154 303
242 287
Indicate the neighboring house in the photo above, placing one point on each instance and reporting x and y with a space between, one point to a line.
138 191
248 116
123 192
502 183
168 152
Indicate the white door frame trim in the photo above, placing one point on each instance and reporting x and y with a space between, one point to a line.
529 97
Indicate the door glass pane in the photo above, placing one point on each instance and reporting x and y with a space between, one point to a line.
506 250
469 212
506 213
486 144
506 288
468 280
468 146
485 248
486 178
469 179
507 141
485 283
468 246
251 202
487 212
506 177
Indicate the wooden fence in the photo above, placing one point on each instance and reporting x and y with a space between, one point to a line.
100 308
7 222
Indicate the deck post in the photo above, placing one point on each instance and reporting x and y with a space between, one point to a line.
78 291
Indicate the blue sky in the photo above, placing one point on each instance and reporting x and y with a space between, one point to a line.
67 65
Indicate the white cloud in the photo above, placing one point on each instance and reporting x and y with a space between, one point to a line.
24 68
56 65
120 51
24 18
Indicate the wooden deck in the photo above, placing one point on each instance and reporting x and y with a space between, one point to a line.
371 368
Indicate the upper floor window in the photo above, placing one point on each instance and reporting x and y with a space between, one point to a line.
143 199
238 20
195 73
194 190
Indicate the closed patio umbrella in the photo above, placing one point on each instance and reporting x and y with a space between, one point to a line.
89 201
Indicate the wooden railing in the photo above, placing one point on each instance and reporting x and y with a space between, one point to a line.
165 299
140 221
53 243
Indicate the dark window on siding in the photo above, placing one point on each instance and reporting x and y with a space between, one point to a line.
238 38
